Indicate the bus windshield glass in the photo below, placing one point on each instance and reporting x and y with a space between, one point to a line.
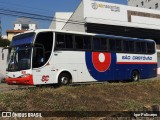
19 58
21 39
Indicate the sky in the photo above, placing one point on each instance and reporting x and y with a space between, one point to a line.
40 7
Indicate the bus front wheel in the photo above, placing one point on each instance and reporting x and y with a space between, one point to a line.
135 76
64 79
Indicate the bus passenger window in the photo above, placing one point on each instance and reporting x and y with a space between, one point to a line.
125 46
87 43
42 49
144 47
69 41
79 42
131 46
104 45
112 45
118 45
138 47
141 47
60 43
150 47
96 44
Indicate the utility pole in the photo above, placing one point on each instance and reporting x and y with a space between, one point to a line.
0 28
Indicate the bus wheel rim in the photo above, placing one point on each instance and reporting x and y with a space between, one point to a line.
64 80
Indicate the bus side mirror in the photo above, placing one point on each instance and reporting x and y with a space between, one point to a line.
2 56
3 52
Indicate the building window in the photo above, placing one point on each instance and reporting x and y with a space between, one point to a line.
156 5
25 26
142 3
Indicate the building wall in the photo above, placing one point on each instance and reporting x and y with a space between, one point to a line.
11 33
99 12
151 4
76 21
19 27
10 36
60 20
32 27
3 62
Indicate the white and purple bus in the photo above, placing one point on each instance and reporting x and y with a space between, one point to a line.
49 57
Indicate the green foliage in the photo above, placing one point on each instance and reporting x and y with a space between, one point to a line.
4 42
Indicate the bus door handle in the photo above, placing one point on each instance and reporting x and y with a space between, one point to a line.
56 54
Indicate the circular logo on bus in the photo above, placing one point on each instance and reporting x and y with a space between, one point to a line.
101 61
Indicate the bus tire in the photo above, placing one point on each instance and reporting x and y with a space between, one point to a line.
64 79
135 76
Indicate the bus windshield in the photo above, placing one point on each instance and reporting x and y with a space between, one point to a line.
19 58
26 38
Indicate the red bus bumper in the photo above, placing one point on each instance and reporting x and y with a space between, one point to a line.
28 80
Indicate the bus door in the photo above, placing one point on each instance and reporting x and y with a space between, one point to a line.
41 70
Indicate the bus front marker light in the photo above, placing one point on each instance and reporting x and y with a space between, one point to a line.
26 75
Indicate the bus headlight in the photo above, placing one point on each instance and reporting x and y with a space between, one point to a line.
25 75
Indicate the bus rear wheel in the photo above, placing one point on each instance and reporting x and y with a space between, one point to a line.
135 76
64 79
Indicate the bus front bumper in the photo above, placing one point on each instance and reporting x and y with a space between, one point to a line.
28 80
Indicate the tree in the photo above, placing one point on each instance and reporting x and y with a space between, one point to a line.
4 42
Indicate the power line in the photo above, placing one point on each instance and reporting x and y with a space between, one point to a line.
0 28
24 6
36 16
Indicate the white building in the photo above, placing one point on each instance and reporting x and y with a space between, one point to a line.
24 24
92 16
151 4
4 36
59 20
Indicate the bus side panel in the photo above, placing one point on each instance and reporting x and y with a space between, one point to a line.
148 71
121 72
98 68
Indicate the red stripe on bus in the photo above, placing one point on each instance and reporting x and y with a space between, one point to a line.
20 81
136 62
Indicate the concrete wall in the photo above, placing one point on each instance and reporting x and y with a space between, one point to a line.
32 27
147 3
60 20
10 36
76 21
3 62
19 27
